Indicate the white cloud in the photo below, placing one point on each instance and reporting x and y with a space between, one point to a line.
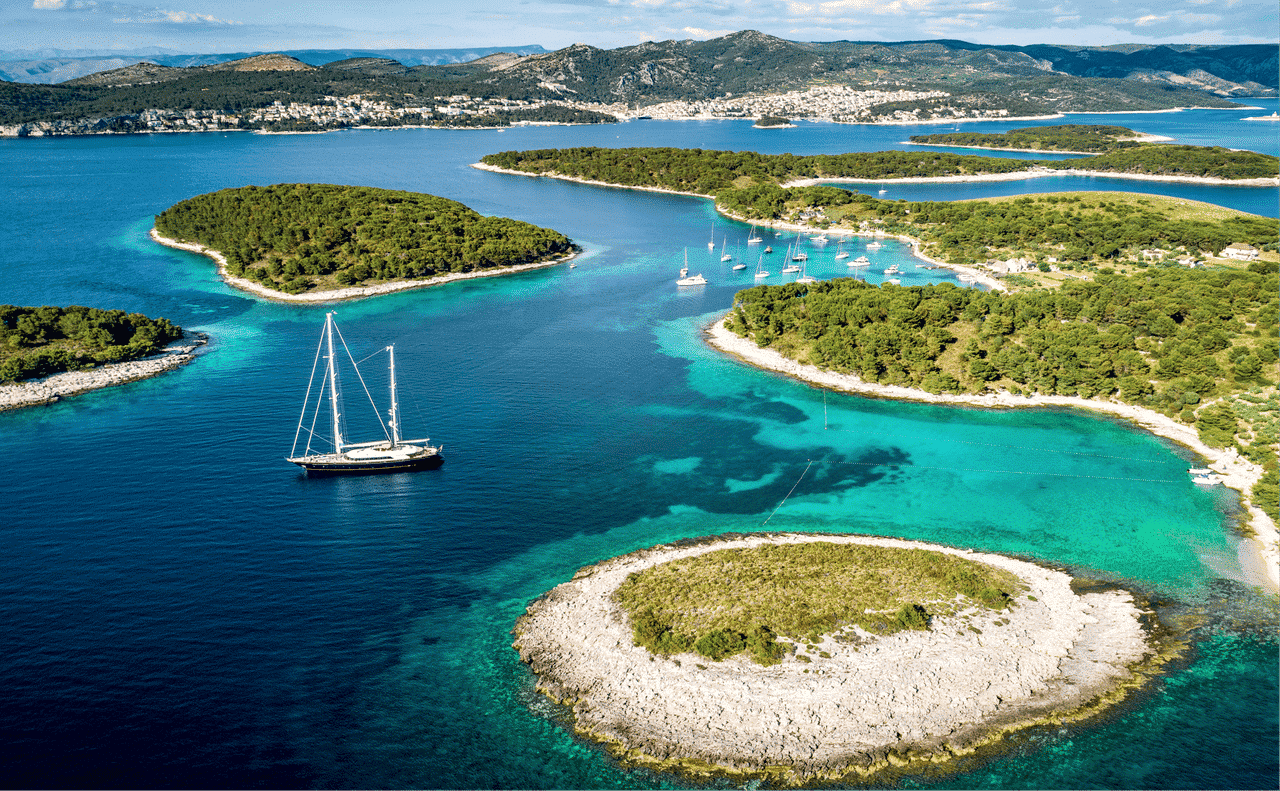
1149 19
125 13
697 32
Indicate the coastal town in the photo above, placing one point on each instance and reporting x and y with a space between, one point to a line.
829 103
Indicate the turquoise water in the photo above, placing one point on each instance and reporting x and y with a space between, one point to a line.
182 608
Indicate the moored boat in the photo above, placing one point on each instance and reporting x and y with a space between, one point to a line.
392 454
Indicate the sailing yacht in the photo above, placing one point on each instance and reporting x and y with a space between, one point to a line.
790 268
711 244
753 237
685 279
805 278
392 454
723 255
760 272
840 253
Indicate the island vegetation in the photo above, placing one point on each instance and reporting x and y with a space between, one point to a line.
296 238
768 121
40 341
711 172
1196 345
1081 138
732 601
1067 231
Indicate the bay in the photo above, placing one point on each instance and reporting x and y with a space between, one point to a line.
182 608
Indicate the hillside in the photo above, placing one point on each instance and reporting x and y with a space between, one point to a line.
906 80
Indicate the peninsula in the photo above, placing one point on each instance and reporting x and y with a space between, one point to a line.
908 653
707 173
1064 139
323 242
1188 354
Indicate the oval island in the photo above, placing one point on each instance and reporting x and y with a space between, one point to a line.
325 242
811 657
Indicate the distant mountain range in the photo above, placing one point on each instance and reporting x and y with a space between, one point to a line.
898 81
50 67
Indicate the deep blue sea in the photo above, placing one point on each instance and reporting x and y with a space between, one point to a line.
180 607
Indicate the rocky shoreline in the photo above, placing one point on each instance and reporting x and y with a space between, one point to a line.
858 708
1237 472
53 388
337 295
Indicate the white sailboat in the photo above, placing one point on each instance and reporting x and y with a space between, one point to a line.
840 253
805 278
760 273
685 279
723 255
711 244
799 255
790 268
753 237
392 454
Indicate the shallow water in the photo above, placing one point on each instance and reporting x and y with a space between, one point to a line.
182 608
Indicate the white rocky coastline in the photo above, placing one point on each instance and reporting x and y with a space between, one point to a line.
337 295
50 389
1237 472
909 694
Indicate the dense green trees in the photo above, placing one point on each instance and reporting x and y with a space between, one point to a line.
1091 138
1071 226
712 172
709 172
40 341
300 237
1162 338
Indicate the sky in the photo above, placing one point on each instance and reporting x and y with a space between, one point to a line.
207 26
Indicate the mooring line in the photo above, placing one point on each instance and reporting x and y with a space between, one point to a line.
793 488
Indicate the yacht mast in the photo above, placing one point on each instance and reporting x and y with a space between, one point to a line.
333 384
395 406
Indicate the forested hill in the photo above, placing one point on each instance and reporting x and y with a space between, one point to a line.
307 237
48 340
1171 340
708 172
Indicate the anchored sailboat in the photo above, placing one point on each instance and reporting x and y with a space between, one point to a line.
392 454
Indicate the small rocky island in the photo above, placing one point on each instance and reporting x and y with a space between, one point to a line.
810 657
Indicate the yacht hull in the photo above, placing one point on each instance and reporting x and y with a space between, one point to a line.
333 465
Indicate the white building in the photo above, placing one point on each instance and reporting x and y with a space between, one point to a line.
1240 252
